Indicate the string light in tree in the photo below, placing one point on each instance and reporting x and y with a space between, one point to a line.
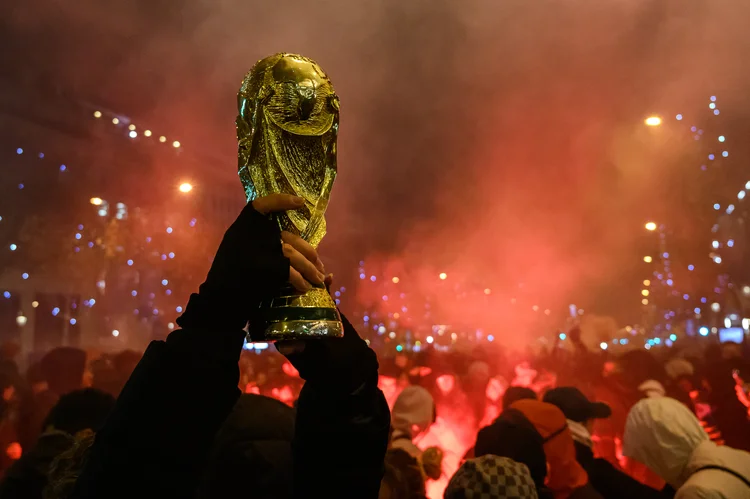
131 129
102 207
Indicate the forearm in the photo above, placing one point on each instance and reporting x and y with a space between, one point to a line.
340 443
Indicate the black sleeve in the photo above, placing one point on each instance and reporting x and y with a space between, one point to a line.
343 420
613 483
340 443
161 430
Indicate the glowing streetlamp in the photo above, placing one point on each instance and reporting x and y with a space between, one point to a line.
443 276
648 259
96 201
653 121
651 226
185 187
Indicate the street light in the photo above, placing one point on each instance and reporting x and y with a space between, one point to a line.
651 226
96 201
653 121
648 259
186 187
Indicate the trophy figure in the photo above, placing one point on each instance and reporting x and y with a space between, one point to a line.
286 131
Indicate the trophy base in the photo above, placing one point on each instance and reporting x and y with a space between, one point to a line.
297 330
296 317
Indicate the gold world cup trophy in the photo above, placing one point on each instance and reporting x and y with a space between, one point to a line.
286 131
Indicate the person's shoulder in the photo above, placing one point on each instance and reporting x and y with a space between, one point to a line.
696 490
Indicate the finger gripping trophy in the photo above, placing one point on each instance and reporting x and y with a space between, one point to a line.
286 131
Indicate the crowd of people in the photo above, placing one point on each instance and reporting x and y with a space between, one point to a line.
196 416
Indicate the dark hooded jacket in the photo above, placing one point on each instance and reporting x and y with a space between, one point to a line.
161 432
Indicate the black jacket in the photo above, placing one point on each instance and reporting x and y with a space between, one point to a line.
610 482
157 439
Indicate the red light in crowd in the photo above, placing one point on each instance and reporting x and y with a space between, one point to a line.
14 451
289 370
445 383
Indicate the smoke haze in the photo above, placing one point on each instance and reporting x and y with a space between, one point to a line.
501 142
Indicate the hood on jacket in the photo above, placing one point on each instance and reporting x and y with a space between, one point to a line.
413 412
565 473
28 476
663 434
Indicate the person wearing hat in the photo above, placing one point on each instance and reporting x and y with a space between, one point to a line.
609 481
491 477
